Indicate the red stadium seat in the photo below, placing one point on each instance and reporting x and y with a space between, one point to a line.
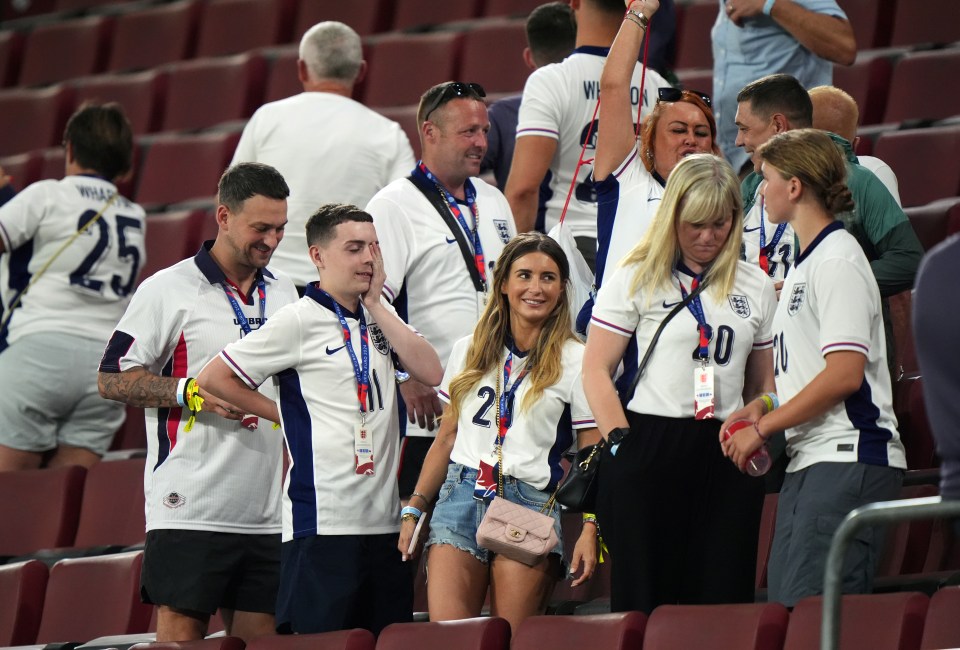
923 85
931 21
23 168
913 424
512 8
211 643
171 237
141 95
62 50
621 631
39 115
693 34
905 544
768 523
404 66
92 597
154 36
260 22
162 177
690 627
52 163
11 47
73 6
364 16
942 628
22 587
39 509
700 79
132 434
419 14
875 621
112 510
871 22
205 92
925 162
342 640
493 56
489 633
282 79
931 222
15 10
406 117
867 81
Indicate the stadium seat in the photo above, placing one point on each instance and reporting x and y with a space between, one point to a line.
260 22
205 92
753 626
282 80
75 6
112 510
11 47
511 8
942 628
913 424
23 168
132 433
92 597
210 643
420 14
931 222
622 631
493 56
488 633
403 66
171 237
875 621
39 115
923 84
39 509
141 95
905 544
406 117
699 79
62 50
931 21
162 177
871 22
15 10
364 16
693 34
768 523
213 627
342 640
22 586
924 160
154 36
867 81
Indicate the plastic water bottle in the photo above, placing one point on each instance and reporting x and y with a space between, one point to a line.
759 463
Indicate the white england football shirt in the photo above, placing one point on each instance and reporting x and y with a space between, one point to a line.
303 349
782 249
830 302
742 322
538 435
219 476
87 287
559 102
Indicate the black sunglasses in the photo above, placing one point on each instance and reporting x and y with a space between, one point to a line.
452 90
675 95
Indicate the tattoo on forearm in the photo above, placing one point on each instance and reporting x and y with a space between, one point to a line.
137 387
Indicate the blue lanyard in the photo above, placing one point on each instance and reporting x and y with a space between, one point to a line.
696 308
472 234
765 251
360 372
241 317
506 397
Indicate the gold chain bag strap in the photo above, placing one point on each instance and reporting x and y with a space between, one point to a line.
510 529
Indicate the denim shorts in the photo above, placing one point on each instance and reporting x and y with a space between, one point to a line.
457 514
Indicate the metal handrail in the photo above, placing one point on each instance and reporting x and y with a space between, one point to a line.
873 514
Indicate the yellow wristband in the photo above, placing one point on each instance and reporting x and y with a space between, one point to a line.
194 402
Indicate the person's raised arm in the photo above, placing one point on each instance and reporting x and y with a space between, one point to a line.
139 387
616 136
600 361
829 37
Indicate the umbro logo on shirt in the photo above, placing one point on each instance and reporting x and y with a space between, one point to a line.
335 350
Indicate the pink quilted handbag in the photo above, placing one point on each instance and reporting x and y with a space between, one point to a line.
516 532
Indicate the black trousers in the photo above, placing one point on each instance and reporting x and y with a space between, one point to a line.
680 520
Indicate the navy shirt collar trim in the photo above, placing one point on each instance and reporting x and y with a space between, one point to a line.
213 273
323 299
660 179
686 270
592 49
836 225
511 345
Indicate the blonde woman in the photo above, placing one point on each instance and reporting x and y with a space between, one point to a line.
831 374
515 380
680 520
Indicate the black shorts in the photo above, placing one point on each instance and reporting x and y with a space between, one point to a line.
200 571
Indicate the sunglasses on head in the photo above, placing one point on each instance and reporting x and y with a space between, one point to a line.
453 90
675 95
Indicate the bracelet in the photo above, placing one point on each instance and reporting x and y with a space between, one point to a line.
423 498
409 513
193 401
181 389
756 427
589 518
773 398
768 7
644 21
633 20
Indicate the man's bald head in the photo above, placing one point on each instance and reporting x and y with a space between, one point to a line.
835 111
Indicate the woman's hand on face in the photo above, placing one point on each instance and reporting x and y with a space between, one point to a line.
584 554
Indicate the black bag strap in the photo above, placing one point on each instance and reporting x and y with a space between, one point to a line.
430 191
656 336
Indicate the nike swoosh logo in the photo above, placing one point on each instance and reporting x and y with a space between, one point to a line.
656 198
335 350
671 305
751 229
451 241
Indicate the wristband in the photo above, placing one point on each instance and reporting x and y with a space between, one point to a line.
773 398
423 498
181 387
193 401
410 513
768 7
589 518
756 427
